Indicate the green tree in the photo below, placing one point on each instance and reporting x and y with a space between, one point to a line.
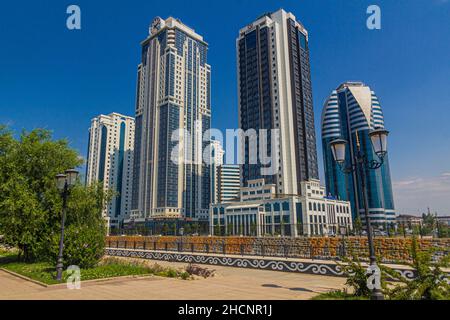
230 227
84 237
358 225
174 228
165 229
30 205
217 230
429 223
442 229
253 228
299 228
187 229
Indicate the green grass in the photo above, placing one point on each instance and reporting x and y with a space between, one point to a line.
337 295
107 268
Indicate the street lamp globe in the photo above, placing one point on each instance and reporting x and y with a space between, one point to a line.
72 175
60 181
379 141
338 150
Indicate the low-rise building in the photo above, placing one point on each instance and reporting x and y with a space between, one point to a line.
260 211
444 220
409 220
228 182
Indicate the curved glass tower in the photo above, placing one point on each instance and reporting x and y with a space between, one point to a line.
353 108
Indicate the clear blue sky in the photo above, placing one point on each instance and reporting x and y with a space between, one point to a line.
59 79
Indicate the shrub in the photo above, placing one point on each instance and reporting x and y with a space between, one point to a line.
357 276
83 246
431 282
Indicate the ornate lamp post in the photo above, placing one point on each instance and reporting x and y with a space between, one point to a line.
360 165
64 182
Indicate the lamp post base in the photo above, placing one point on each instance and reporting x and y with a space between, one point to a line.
59 270
377 295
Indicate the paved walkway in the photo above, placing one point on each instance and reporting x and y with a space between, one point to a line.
229 283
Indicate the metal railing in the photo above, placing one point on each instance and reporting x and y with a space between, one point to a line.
338 252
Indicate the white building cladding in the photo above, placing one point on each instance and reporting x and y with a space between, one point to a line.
261 212
173 92
217 154
275 92
353 108
228 182
110 160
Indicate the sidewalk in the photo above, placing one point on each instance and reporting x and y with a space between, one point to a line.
229 283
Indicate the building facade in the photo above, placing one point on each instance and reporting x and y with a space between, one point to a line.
353 108
228 182
217 154
262 212
274 92
445 220
409 220
110 161
173 111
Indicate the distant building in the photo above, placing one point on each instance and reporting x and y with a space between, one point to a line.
217 154
444 220
261 211
408 220
110 159
353 108
228 181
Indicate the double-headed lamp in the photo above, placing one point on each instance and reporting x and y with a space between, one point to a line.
379 141
72 176
338 150
60 181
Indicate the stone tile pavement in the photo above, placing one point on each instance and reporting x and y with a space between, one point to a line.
229 283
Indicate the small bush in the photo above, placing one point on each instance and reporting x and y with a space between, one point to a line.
83 246
337 295
200 271
431 283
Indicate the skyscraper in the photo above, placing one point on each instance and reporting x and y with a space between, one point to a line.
274 92
173 111
217 154
353 108
110 161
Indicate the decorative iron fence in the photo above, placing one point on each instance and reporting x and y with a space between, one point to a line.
338 251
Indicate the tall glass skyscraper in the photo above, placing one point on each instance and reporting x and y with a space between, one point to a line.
173 96
274 91
353 108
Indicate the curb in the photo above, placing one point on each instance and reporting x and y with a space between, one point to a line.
56 285
24 277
